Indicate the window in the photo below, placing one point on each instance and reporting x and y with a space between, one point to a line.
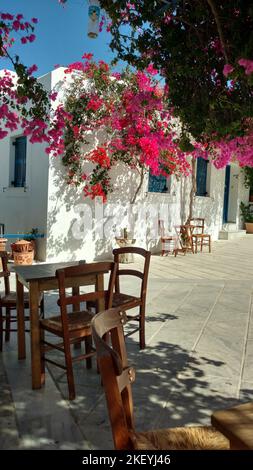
19 162
201 177
158 184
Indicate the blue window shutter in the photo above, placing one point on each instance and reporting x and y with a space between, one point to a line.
201 176
157 184
20 162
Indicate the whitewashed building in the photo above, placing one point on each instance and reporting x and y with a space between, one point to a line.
34 194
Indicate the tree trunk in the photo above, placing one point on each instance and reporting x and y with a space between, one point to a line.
193 190
138 187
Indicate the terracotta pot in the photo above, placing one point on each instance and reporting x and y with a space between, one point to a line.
33 242
22 246
249 227
3 244
23 258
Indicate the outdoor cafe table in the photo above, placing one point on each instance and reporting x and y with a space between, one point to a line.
40 278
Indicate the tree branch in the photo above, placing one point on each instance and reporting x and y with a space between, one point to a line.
139 186
219 28
193 190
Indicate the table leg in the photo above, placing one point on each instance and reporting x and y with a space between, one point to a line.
99 287
76 308
20 319
35 335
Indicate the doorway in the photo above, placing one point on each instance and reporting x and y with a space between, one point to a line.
226 194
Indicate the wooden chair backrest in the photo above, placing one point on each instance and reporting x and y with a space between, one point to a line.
198 223
116 375
143 275
5 273
81 270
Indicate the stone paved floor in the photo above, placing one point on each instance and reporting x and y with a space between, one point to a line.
199 351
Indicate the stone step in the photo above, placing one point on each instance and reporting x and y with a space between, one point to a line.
231 235
230 227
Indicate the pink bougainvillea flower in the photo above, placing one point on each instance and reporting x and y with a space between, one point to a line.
87 56
32 69
3 134
53 95
227 69
151 70
31 38
247 64
16 25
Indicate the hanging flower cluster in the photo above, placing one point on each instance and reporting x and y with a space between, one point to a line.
23 100
129 112
12 24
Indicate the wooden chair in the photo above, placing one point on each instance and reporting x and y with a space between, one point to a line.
117 378
184 239
75 326
200 238
168 241
126 301
9 302
237 425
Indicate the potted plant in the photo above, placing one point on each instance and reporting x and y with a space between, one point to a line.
248 180
247 216
31 237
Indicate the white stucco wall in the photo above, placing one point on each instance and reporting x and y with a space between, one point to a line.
68 210
73 235
68 219
22 209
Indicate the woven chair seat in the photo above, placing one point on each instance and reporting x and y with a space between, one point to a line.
124 299
11 299
191 438
76 321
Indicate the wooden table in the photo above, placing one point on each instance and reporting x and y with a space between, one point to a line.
237 425
40 278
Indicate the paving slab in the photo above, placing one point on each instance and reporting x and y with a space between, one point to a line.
199 331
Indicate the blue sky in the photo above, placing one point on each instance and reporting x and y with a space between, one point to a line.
61 34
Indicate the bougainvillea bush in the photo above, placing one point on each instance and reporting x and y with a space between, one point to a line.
130 114
206 61
204 50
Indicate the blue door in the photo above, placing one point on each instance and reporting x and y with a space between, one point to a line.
201 177
20 162
226 194
157 184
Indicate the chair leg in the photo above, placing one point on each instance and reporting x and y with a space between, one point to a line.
88 349
1 328
209 244
42 357
142 327
7 324
42 308
69 367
